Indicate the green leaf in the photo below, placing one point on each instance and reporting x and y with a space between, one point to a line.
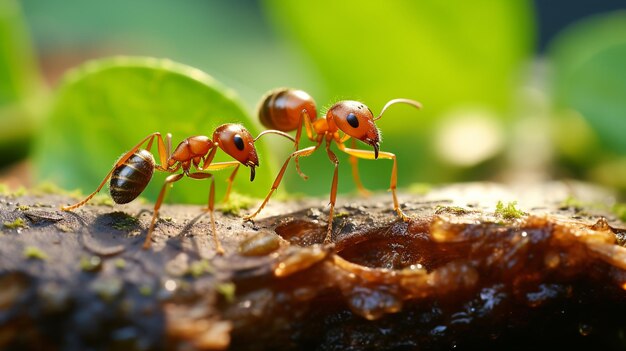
17 67
19 84
444 54
589 75
107 106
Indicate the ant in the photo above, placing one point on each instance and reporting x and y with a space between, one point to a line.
132 172
288 109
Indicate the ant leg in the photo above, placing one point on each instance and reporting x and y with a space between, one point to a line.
354 162
169 145
164 149
120 161
168 181
304 152
208 159
210 208
333 194
230 183
304 119
369 155
218 166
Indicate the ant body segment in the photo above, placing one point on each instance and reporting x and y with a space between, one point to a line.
290 109
132 172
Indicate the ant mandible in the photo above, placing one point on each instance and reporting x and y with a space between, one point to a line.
132 172
289 109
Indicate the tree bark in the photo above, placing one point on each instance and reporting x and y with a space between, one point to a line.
477 265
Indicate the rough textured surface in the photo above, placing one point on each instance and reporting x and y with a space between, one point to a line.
459 275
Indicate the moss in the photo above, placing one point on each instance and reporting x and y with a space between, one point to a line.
145 290
23 207
34 253
126 223
49 188
456 210
508 211
120 263
16 224
102 200
227 290
6 190
199 268
572 202
90 264
236 203
342 214
620 211
21 191
107 288
419 188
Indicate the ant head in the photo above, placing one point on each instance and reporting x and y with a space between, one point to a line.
236 141
356 120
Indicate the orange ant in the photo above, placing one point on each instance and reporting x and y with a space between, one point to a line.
132 172
289 109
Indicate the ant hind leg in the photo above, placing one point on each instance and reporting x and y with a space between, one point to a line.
155 215
211 206
150 138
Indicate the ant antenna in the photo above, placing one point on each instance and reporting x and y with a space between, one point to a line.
413 103
274 131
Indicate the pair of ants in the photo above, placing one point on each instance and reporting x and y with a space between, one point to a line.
281 110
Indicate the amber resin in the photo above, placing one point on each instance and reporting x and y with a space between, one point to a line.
454 278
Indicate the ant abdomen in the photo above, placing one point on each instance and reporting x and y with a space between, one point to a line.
281 109
131 178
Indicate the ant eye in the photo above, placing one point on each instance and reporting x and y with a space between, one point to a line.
238 142
352 120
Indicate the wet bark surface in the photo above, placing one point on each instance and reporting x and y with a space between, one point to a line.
459 274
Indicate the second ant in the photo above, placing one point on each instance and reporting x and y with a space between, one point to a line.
133 171
290 109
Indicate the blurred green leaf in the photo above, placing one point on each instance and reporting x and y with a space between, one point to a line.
444 54
17 68
18 83
589 75
107 106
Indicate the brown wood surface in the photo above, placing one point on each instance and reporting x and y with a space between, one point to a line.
81 280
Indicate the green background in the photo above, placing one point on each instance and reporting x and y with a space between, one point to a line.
473 65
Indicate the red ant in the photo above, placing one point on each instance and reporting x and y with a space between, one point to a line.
132 172
289 109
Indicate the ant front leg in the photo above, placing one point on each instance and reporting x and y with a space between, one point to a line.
333 193
210 208
230 182
369 155
300 153
168 181
163 155
354 162
218 166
